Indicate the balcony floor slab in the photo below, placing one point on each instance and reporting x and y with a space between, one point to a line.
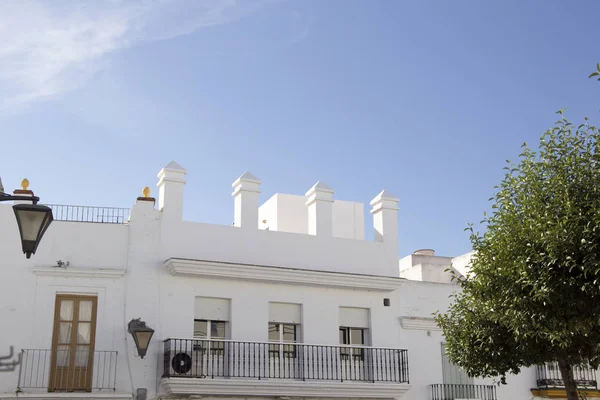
65 395
562 393
284 388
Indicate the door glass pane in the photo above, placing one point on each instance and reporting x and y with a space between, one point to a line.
217 330
343 336
289 336
66 310
85 310
64 332
83 332
356 336
289 333
273 332
82 354
200 330
62 355
344 340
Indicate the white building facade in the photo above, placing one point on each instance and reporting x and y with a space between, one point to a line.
289 302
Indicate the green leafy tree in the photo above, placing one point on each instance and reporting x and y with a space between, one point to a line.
596 73
533 293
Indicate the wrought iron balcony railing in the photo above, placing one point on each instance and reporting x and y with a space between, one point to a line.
549 376
102 215
84 371
462 391
202 358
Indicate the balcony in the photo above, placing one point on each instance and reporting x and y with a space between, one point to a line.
224 367
101 215
549 376
549 381
462 391
39 372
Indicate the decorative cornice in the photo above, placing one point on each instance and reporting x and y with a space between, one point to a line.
261 273
419 323
283 388
80 272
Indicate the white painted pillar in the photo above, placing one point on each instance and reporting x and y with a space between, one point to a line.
171 180
385 223
319 200
144 272
245 201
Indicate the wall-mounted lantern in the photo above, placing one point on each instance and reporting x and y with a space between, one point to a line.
141 335
32 219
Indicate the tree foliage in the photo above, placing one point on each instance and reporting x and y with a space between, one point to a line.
533 294
596 72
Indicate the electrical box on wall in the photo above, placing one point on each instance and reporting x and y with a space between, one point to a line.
141 394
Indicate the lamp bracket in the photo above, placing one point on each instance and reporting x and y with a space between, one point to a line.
10 197
10 365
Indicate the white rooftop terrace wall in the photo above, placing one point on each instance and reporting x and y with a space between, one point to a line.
426 267
318 250
288 213
462 263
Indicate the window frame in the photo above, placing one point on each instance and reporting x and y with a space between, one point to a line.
357 353
215 345
278 348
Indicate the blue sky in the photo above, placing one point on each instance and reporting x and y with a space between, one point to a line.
424 98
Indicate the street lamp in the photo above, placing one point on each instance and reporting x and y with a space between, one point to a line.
33 219
141 335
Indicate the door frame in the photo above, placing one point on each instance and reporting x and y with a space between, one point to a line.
52 386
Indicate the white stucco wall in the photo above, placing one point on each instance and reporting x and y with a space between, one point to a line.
462 262
426 268
230 244
250 306
267 214
27 299
289 213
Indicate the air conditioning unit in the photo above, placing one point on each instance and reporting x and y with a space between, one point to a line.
197 359
181 363
186 362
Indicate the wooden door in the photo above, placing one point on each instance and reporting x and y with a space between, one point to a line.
73 343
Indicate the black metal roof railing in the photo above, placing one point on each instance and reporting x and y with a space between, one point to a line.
102 215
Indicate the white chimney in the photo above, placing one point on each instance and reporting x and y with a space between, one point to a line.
245 195
385 222
171 180
319 200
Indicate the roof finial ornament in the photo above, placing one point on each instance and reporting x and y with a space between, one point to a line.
25 184
146 191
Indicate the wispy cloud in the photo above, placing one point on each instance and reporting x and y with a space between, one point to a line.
49 47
